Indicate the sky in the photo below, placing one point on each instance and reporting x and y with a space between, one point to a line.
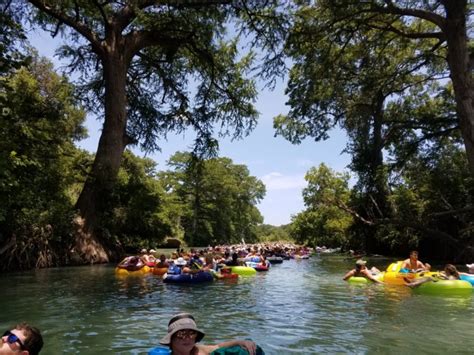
280 165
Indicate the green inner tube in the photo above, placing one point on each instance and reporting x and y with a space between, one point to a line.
244 270
445 287
357 280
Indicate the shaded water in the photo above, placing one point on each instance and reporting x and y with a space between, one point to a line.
298 307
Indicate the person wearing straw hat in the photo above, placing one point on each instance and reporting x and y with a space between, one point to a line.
183 336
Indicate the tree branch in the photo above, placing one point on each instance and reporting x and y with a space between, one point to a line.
66 19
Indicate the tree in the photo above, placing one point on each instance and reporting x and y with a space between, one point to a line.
39 121
324 221
11 37
444 21
139 60
218 199
140 212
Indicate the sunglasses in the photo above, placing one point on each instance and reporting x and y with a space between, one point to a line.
187 333
12 339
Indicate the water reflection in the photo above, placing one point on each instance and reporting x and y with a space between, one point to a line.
300 307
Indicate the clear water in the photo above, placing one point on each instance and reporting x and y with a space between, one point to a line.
298 307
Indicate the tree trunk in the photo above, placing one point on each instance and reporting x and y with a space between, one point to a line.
88 244
459 65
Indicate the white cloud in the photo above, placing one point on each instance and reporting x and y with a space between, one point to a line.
278 181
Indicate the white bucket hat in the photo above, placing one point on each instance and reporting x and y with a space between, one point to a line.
180 261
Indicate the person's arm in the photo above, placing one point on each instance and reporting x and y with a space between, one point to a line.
249 345
348 275
370 277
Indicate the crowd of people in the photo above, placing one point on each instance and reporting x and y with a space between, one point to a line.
214 259
410 265
183 335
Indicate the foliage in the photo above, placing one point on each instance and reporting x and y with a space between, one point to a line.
324 221
39 121
270 233
11 36
217 198
140 212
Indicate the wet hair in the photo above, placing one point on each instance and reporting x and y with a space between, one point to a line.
451 270
33 340
414 252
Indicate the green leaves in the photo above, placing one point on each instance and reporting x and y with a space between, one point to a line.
218 199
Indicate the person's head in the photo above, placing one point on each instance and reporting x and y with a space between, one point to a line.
451 270
162 258
183 333
470 267
360 264
235 256
414 255
180 261
21 339
209 259
143 251
134 260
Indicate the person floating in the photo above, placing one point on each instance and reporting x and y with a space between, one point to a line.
183 336
22 339
361 270
412 264
450 273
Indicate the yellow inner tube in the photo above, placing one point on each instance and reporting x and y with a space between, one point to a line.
121 271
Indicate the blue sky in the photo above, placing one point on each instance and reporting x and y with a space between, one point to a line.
280 165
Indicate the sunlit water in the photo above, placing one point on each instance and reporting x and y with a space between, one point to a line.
298 307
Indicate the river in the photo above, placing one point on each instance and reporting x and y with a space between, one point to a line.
298 307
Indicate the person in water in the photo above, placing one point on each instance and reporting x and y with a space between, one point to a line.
131 263
22 339
361 270
450 273
162 262
413 264
180 266
183 336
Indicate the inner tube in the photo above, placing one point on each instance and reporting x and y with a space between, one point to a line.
160 270
275 259
160 350
445 287
397 278
200 277
123 271
235 350
468 278
257 266
364 280
229 276
243 270
358 280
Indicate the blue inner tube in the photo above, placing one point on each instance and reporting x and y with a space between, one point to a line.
469 278
160 350
199 277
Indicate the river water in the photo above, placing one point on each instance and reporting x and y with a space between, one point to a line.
298 307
